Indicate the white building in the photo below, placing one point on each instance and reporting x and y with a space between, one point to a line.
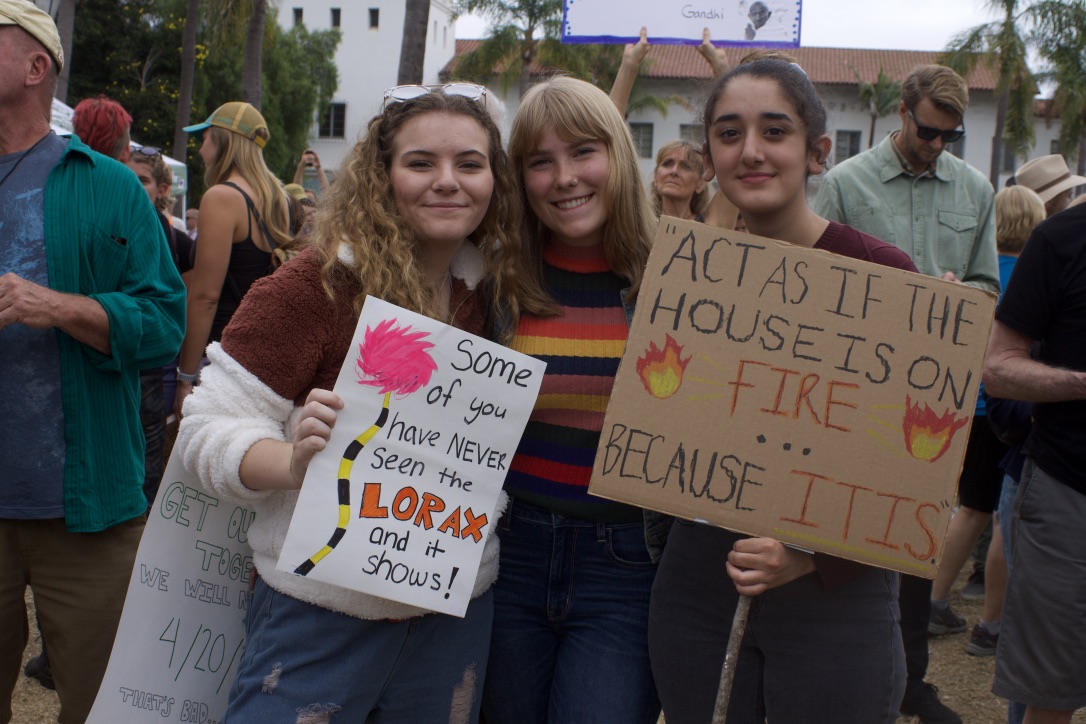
680 71
368 59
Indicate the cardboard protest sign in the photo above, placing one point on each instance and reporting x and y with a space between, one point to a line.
796 394
400 502
765 23
182 631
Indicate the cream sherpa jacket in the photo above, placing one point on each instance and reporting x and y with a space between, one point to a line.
287 338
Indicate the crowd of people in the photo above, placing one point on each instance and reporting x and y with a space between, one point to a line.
116 317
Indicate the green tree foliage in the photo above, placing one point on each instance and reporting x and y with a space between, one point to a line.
523 32
131 51
881 98
121 49
1060 37
299 79
1002 45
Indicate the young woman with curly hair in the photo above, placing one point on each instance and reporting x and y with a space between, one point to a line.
422 210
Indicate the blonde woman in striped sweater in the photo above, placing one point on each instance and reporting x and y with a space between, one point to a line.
571 601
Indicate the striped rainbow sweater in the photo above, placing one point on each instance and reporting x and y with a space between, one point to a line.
582 348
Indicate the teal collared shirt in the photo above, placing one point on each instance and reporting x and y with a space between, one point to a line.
103 240
944 222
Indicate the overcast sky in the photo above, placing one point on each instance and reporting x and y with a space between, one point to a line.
889 24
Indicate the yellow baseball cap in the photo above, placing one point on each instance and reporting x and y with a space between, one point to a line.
35 21
239 117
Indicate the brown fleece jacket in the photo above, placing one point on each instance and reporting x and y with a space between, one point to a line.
294 338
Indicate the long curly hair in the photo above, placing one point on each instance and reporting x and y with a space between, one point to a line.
238 153
578 111
359 212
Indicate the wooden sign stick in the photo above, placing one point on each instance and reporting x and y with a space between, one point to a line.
727 673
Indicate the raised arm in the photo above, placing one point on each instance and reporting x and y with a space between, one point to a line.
627 72
713 55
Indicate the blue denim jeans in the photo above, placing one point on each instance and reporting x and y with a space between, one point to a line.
304 659
570 640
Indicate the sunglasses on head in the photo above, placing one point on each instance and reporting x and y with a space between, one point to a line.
930 133
150 151
404 93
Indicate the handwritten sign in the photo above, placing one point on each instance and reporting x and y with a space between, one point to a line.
764 23
400 502
791 393
182 631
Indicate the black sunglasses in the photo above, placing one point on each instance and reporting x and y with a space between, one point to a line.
930 133
149 151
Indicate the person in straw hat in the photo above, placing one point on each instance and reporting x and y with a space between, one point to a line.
1051 179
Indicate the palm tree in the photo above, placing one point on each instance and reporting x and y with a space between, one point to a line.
254 54
881 98
523 31
1001 45
227 22
64 17
1060 34
413 46
514 44
188 75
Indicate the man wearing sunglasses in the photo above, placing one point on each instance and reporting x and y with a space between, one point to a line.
906 190
939 210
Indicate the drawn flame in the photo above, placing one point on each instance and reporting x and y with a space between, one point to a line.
927 435
661 370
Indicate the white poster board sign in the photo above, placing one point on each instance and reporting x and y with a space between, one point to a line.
400 502
182 631
762 23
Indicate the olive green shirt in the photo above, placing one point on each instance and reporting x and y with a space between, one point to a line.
944 221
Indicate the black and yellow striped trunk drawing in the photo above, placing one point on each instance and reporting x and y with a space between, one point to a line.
344 486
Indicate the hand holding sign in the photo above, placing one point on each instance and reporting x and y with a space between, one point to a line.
400 501
767 23
752 364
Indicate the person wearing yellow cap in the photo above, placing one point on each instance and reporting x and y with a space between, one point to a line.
89 296
244 219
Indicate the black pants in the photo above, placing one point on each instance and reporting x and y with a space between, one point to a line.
809 655
914 601
153 421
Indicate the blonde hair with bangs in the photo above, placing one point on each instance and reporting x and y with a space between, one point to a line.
237 153
578 111
359 212
1017 210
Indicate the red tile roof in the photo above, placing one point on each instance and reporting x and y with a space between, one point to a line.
825 66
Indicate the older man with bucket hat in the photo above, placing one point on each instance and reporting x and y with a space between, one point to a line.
1051 179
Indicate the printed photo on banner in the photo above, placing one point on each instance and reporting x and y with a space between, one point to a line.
400 502
182 631
765 23
796 394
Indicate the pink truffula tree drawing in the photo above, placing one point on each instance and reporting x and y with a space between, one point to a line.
395 360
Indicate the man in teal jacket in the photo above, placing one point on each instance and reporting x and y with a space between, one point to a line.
88 297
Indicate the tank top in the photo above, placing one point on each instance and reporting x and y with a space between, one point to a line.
248 262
